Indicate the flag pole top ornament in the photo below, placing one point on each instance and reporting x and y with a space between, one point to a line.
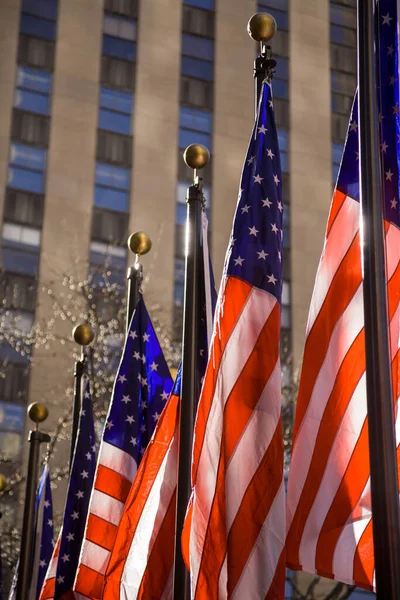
37 412
261 27
139 243
83 334
3 482
196 156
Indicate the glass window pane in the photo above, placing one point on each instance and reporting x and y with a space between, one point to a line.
113 121
34 80
284 161
21 235
114 100
194 67
113 46
116 177
337 151
195 119
110 198
343 35
41 8
179 274
103 254
341 15
16 319
120 27
10 445
12 416
28 156
208 4
281 17
181 192
282 68
193 45
181 213
282 140
20 261
279 4
335 172
178 293
37 103
285 317
38 27
21 179
187 137
281 88
343 82
286 293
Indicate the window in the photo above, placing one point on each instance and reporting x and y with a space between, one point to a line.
119 48
198 47
281 88
112 184
33 89
18 292
23 260
23 207
343 35
41 8
279 4
109 226
26 168
41 28
179 281
35 52
343 59
14 386
30 128
28 157
196 93
10 445
207 4
195 127
341 104
285 317
194 67
341 15
115 111
286 226
120 28
17 319
199 22
127 8
117 73
20 235
107 255
12 417
339 126
112 176
187 137
114 148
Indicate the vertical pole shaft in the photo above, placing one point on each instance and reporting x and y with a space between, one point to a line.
259 76
382 446
190 387
134 276
28 524
78 373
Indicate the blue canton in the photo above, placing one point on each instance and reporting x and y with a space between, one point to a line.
255 251
141 388
389 118
78 495
46 540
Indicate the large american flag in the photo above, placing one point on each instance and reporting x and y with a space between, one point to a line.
141 389
329 500
62 570
235 526
141 561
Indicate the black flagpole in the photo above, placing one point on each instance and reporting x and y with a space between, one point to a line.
196 157
138 243
382 445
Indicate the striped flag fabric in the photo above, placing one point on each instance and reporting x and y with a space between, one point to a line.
141 561
141 389
61 573
234 532
329 513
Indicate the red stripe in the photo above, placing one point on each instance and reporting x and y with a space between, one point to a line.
112 483
278 583
337 203
100 532
48 589
89 583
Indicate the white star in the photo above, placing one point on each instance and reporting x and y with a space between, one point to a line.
393 80
262 129
238 261
245 208
85 474
381 117
60 579
386 19
266 202
258 179
384 147
143 359
94 448
156 416
143 404
126 399
143 428
274 227
393 203
153 366
146 337
129 419
164 396
202 352
142 451
65 558
280 207
87 395
109 425
122 378
357 155
262 255
272 279
42 563
279 256
88 456
389 175
396 109
136 355
133 441
143 381
139 377
276 179
353 126
50 522
75 515
390 51
251 160
83 413
233 240
270 153
79 494
46 504
133 334
71 537
253 231
241 192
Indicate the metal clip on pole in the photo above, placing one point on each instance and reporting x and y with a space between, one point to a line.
37 413
139 243
196 157
262 28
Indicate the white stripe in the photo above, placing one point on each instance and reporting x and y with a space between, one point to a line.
340 455
112 457
52 569
393 249
167 593
106 507
95 557
240 345
259 571
346 330
336 247
150 521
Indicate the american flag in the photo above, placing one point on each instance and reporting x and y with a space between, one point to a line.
329 501
235 527
61 573
141 389
142 558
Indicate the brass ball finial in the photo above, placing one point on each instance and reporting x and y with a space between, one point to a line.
83 334
3 483
196 156
37 412
261 27
139 243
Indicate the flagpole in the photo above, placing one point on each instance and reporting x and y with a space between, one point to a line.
37 413
381 430
83 335
196 157
139 243
261 28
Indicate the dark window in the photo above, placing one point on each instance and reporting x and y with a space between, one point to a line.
41 28
109 226
199 22
118 27
286 188
113 46
118 73
114 121
18 292
127 8
341 15
41 8
14 382
20 249
24 208
339 126
281 43
281 108
207 4
196 93
180 237
30 128
341 104
344 58
343 35
114 148
343 82
35 52
179 281
199 47
281 88
27 164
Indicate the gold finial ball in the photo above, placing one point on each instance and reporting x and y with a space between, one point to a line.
37 412
196 156
261 27
139 243
83 334
3 483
